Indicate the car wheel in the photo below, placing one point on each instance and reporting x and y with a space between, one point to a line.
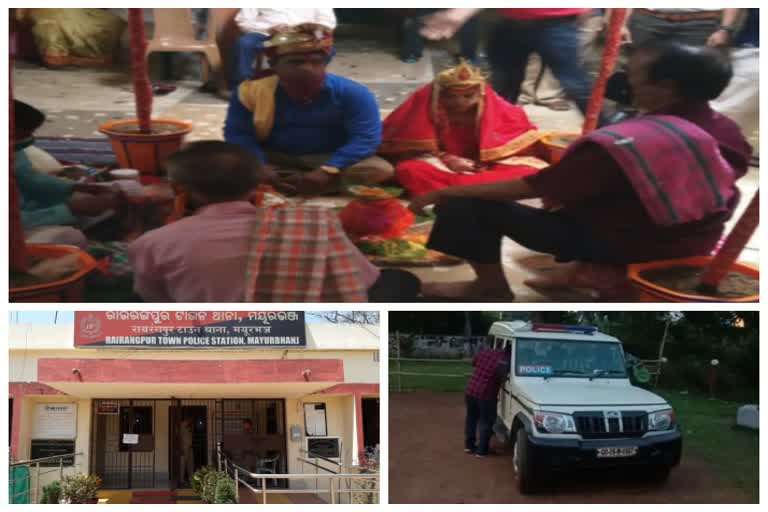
527 481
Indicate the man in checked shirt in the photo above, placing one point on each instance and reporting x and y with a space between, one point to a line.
491 368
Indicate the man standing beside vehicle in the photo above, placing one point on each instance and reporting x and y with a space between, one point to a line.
490 369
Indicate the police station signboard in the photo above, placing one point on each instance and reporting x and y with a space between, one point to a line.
190 329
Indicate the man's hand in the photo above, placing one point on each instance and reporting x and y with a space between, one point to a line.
268 175
91 205
420 202
719 39
444 24
313 183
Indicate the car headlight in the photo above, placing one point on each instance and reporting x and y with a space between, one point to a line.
661 420
554 423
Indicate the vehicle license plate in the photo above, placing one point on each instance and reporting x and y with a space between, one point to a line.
626 451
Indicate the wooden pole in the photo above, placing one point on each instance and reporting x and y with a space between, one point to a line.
142 88
610 55
17 244
661 353
738 238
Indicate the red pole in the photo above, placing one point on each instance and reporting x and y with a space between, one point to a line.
17 244
610 55
142 88
733 246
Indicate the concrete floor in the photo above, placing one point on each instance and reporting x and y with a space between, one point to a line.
77 101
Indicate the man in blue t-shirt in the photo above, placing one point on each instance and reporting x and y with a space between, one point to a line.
311 129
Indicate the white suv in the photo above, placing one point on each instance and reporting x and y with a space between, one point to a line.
568 404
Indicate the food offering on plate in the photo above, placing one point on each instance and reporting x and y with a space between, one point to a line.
367 193
389 248
409 250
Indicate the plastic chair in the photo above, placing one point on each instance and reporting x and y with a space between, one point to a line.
174 32
269 465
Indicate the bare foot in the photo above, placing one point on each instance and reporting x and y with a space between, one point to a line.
604 279
470 291
567 277
540 263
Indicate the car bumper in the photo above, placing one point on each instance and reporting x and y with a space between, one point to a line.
554 454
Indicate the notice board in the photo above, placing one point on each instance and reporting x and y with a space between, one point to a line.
55 421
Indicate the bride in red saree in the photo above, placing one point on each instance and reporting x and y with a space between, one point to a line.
458 131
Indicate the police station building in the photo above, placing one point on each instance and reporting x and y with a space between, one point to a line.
117 388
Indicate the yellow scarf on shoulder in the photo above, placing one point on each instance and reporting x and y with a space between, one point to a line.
258 96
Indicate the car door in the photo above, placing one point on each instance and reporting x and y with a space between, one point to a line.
506 404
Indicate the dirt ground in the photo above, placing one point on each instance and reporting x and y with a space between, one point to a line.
427 465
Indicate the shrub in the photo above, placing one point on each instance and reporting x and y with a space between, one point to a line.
370 463
79 488
225 491
51 493
211 480
199 477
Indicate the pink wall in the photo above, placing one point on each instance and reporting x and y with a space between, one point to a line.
203 372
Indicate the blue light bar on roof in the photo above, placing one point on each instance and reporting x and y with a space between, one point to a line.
572 329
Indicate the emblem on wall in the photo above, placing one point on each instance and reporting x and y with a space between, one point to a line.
90 327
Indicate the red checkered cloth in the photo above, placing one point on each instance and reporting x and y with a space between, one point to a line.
302 255
485 380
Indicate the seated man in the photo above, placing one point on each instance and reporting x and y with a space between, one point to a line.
660 186
53 210
257 25
318 127
457 131
231 250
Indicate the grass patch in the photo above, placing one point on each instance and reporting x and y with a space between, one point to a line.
710 433
430 383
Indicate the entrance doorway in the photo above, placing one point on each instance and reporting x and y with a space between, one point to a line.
370 423
133 441
123 442
194 418
136 444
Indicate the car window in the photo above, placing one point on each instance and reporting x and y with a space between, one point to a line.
542 358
